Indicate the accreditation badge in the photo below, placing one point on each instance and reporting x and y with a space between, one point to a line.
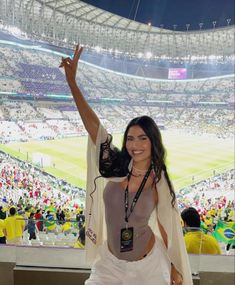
127 235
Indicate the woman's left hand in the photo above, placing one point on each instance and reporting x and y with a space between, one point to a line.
176 277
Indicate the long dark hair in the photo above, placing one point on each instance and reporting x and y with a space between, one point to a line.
158 151
115 163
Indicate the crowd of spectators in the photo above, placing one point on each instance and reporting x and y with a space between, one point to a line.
21 181
21 121
199 104
35 204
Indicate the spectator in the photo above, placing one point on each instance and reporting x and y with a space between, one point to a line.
14 225
2 214
2 231
50 222
39 219
80 243
197 242
80 219
31 227
62 217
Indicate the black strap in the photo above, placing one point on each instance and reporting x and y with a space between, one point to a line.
137 195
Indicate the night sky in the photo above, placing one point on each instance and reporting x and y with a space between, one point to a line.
172 12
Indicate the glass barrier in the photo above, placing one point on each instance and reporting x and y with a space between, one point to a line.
46 232
49 232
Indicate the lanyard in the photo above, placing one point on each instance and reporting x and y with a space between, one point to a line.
137 195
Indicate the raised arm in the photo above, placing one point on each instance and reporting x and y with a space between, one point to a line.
88 116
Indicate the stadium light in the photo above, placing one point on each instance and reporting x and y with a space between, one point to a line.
200 25
187 27
98 49
148 55
15 31
228 21
214 57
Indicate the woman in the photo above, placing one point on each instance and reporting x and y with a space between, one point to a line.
138 192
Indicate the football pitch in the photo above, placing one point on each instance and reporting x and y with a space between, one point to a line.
190 158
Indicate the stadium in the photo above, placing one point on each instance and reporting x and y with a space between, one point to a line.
183 80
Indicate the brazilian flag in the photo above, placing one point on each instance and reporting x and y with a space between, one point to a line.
50 223
50 208
225 232
204 227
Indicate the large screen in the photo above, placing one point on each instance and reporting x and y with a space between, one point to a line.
177 73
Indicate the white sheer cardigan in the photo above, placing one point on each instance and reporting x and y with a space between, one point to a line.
168 216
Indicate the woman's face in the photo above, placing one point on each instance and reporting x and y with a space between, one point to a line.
138 145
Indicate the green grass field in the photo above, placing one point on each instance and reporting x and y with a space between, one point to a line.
187 156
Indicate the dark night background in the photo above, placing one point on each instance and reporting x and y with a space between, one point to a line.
172 12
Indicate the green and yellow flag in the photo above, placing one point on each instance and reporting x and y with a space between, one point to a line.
225 232
50 208
204 227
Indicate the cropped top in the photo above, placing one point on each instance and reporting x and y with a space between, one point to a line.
114 197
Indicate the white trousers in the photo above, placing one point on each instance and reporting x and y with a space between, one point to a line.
154 269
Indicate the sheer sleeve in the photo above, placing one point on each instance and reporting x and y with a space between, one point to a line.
111 160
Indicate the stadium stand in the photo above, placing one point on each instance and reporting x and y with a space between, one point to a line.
208 99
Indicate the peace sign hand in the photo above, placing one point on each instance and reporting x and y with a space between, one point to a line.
70 65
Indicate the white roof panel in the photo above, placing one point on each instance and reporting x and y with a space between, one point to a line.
71 21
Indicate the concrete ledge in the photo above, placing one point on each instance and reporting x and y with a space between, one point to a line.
6 273
48 276
26 275
217 278
23 266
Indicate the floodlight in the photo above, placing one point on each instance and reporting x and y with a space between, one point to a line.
97 49
148 55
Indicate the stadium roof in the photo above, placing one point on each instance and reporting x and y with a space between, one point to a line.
66 22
